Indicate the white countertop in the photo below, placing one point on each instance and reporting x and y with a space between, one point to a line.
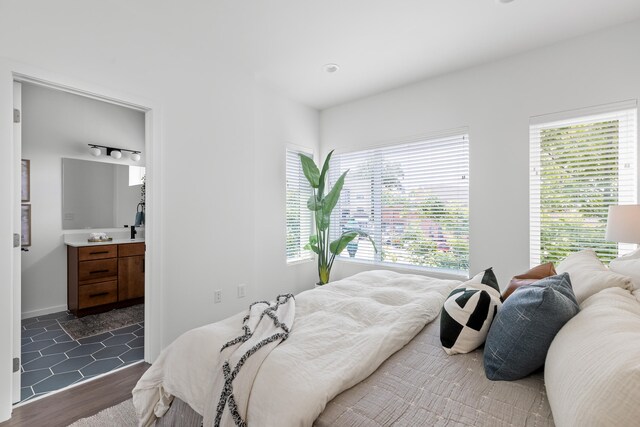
78 244
120 235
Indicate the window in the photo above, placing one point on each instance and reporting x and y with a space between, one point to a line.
298 217
136 173
580 164
412 198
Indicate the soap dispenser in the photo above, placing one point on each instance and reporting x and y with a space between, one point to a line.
133 232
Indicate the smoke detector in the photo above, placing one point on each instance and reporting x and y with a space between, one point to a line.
331 68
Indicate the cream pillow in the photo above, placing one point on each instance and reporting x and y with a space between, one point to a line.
592 370
589 275
628 265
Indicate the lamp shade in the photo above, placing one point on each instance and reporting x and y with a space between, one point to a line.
116 154
95 151
623 224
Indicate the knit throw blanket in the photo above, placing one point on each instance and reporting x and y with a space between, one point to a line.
264 327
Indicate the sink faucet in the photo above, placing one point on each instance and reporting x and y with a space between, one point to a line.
133 232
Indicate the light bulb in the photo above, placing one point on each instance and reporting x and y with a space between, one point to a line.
95 151
135 157
116 154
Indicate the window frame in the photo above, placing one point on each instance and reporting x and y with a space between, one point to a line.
441 272
627 147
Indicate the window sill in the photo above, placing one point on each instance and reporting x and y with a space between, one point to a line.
297 261
439 273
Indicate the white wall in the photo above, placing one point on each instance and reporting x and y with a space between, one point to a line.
279 123
56 124
495 101
217 158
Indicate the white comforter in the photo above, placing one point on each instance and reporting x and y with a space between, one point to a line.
342 333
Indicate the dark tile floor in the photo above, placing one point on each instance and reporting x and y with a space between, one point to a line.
52 360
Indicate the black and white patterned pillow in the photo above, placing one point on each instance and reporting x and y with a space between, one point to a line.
468 312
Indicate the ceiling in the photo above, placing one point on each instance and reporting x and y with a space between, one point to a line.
383 44
379 44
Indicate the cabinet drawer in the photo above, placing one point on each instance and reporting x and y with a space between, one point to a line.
92 270
98 294
97 252
130 249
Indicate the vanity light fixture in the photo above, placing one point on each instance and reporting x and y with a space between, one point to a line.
116 153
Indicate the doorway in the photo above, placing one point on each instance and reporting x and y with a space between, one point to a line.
53 318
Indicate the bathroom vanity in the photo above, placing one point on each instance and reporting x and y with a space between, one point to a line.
103 276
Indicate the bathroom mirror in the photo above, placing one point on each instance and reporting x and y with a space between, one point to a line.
98 194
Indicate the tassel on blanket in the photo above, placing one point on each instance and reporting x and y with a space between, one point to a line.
265 326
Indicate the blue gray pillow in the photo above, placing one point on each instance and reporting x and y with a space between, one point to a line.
525 326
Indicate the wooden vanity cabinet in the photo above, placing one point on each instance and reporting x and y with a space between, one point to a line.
130 271
103 277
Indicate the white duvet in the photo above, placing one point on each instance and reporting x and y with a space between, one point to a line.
341 334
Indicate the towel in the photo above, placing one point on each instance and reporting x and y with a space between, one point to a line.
139 219
139 214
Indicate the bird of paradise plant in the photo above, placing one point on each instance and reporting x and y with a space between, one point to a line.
321 205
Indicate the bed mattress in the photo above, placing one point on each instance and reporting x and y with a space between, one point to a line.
421 385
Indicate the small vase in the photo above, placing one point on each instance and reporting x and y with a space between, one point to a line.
318 285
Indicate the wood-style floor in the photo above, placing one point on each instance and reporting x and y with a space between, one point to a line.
83 400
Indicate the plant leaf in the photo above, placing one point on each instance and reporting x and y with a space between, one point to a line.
323 219
313 204
323 175
366 235
339 244
310 170
329 202
313 247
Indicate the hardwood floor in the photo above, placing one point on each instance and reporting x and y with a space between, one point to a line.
86 399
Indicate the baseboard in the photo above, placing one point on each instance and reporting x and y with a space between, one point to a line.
43 311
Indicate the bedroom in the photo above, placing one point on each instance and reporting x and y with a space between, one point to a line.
218 119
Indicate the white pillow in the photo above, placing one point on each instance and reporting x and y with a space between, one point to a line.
589 275
628 265
592 370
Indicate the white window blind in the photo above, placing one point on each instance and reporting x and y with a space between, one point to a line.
412 198
298 217
580 164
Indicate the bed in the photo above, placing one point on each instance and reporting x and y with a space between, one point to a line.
421 385
411 382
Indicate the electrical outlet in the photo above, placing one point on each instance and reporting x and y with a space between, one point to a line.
242 290
217 296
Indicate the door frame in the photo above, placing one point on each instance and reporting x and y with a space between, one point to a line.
13 71
17 251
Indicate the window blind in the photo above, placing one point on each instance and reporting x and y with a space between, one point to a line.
412 198
579 165
298 217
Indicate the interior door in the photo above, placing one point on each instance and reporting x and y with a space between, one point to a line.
17 254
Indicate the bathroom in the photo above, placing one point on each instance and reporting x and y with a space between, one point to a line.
82 320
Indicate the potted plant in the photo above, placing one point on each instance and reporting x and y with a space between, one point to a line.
321 204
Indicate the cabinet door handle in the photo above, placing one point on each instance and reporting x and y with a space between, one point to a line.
98 253
99 294
98 271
